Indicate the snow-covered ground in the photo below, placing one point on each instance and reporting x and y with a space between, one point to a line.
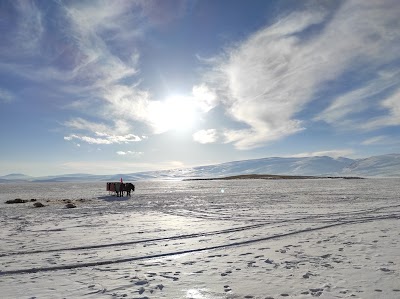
203 239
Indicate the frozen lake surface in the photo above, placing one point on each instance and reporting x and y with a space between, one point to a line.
203 239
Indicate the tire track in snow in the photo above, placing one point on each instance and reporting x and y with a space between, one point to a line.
171 238
200 214
167 254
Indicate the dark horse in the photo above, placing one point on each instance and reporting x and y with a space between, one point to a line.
128 188
120 188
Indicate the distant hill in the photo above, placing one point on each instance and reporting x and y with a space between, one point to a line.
16 176
376 166
282 166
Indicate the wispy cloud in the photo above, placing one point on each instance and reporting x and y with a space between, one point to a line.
206 136
111 81
129 153
205 98
103 138
77 56
392 118
23 40
6 96
100 133
268 80
375 140
162 13
82 124
345 109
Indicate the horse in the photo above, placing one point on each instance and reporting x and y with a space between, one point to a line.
119 189
128 188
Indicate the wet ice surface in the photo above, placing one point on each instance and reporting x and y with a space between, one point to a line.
208 239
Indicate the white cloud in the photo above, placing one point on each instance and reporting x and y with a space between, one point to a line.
129 153
104 138
27 34
126 101
97 15
392 118
206 136
375 140
82 124
204 98
6 96
93 60
82 66
342 110
103 134
251 138
270 78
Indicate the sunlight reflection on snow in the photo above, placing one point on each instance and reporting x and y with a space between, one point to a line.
197 294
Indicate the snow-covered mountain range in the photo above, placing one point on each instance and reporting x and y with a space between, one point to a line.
375 166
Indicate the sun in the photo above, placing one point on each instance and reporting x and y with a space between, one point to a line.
174 113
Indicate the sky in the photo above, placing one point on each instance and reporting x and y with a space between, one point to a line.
105 87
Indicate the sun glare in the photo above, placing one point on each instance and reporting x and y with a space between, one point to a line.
175 113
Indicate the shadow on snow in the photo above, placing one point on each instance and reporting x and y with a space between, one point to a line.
113 198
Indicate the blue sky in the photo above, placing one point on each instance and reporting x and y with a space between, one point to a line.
107 87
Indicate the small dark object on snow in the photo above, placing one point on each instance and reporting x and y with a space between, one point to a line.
17 200
33 199
70 205
38 205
